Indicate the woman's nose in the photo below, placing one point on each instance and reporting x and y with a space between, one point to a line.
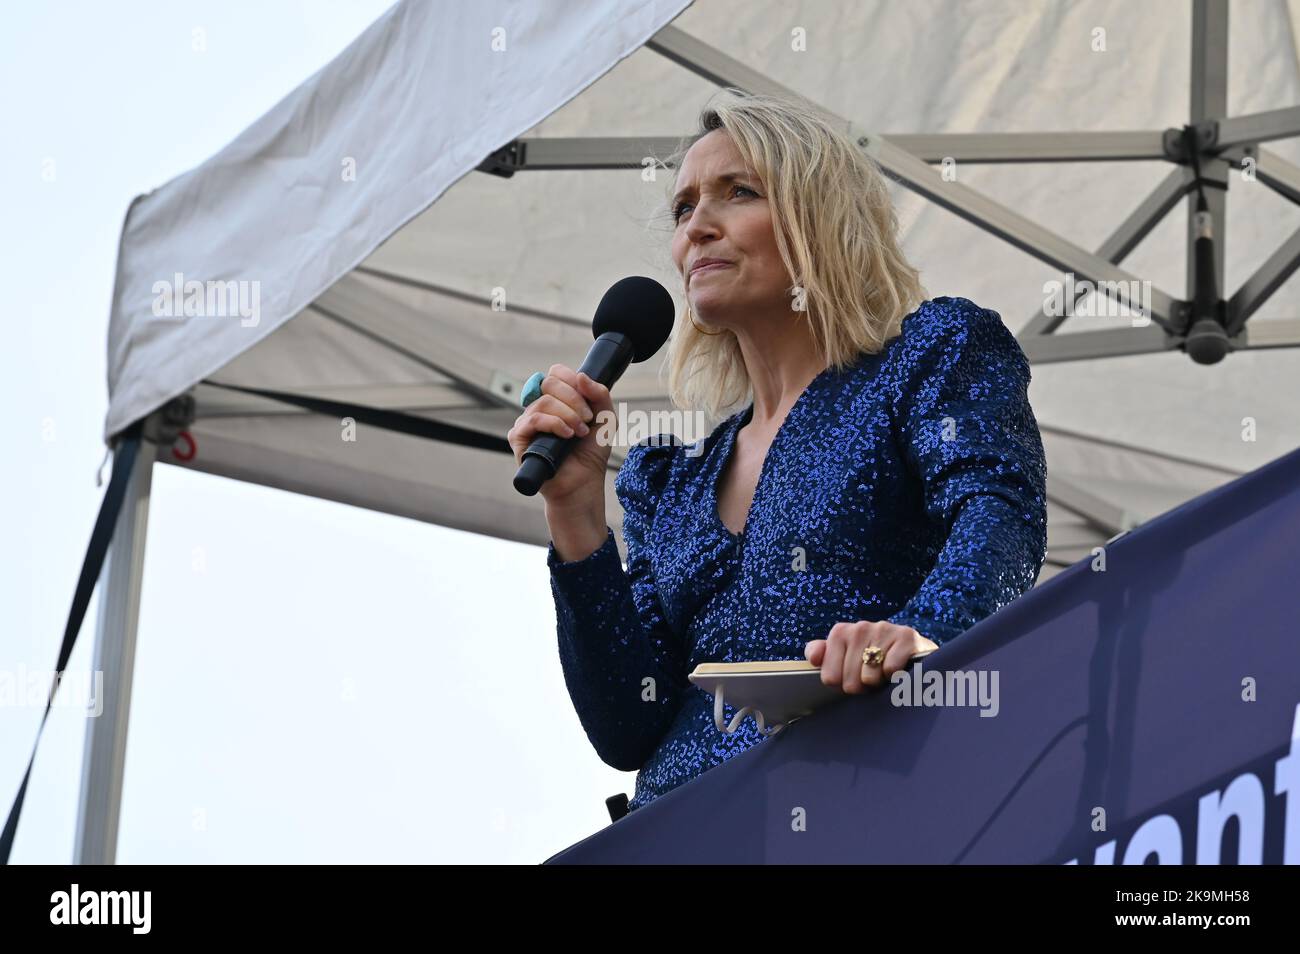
703 222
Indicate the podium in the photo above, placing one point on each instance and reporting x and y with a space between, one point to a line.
1147 711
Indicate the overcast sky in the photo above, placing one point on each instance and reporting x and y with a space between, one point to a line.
314 682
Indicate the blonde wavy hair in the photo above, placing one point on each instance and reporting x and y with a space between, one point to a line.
836 230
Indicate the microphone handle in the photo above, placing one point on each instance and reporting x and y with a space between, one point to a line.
605 363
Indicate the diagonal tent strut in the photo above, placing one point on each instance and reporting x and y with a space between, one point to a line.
402 329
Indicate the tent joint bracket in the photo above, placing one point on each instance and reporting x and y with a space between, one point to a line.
164 425
506 161
1181 142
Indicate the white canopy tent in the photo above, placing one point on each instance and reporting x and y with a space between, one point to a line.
388 207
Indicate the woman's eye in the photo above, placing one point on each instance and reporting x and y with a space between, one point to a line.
681 207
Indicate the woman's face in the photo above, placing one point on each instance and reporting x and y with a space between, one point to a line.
728 219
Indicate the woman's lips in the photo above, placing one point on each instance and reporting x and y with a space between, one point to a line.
703 269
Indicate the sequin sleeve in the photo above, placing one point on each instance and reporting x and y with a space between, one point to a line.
963 419
623 665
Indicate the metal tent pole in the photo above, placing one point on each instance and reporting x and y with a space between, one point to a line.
115 632
1209 102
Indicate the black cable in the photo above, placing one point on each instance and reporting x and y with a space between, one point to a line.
379 417
123 462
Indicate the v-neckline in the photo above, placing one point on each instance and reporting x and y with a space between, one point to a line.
728 451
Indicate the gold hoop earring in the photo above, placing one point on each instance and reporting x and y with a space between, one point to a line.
691 319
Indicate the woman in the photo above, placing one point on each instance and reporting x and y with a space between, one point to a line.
882 491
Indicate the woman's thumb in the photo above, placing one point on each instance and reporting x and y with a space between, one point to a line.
597 394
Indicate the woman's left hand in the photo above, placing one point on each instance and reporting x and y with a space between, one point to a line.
840 655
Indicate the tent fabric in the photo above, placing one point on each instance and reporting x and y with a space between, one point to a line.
441 308
335 168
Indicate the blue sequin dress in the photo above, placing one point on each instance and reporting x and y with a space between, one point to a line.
914 485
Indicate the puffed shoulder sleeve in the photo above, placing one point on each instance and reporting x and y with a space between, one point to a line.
963 420
623 665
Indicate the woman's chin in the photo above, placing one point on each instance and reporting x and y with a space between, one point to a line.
708 310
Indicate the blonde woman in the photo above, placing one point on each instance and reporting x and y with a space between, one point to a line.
882 490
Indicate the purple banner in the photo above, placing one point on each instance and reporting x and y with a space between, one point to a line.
1139 707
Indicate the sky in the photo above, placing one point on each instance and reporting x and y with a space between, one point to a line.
313 682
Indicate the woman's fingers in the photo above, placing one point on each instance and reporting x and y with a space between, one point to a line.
832 664
898 650
900 644
589 400
560 409
565 384
859 676
840 654
568 407
596 394
529 425
548 405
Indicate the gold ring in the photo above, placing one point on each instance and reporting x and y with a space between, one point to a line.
873 656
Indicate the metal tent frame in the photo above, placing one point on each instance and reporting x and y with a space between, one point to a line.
1219 141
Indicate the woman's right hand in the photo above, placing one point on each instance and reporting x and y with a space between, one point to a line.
569 405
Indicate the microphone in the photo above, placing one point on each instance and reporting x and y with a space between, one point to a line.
632 322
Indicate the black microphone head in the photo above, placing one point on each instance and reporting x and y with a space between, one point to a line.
640 308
